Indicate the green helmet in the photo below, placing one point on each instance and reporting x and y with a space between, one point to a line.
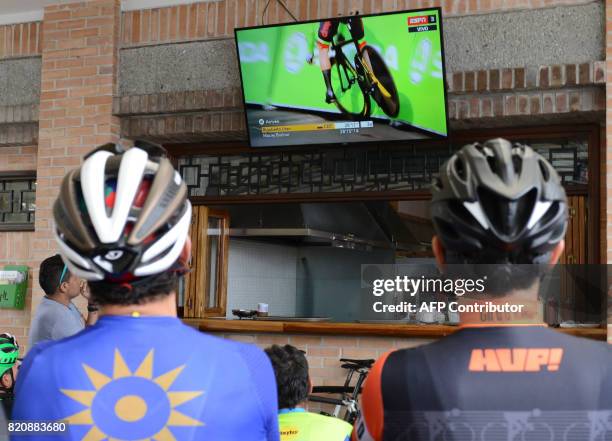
9 351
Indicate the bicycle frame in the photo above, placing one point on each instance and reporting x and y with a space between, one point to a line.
348 400
367 79
339 55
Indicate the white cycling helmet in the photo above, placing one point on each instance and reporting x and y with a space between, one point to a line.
122 215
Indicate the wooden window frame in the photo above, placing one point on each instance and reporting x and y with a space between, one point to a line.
197 282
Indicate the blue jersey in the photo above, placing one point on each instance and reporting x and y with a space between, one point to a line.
149 378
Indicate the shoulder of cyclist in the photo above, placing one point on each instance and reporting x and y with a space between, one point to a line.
369 424
264 383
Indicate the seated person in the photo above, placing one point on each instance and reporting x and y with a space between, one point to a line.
293 383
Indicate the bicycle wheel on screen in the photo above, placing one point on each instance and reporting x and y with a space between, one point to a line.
384 92
350 99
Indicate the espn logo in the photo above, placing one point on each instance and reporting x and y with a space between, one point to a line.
515 359
416 21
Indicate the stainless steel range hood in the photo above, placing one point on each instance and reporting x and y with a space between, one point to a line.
345 225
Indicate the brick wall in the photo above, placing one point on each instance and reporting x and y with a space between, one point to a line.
20 40
16 246
18 158
18 153
324 352
79 58
217 19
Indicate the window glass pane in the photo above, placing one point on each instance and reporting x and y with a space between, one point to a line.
214 232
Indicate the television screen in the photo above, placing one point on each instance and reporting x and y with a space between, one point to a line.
351 79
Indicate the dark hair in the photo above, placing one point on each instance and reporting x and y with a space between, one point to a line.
291 372
501 276
50 272
136 292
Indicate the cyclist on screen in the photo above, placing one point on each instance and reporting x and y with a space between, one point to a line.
327 31
500 204
294 387
121 222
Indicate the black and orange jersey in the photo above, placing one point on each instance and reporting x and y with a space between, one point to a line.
494 383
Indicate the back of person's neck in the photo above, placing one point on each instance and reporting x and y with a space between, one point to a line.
59 297
531 312
163 307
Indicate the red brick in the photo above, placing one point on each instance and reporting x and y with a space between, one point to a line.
182 21
584 73
51 95
201 20
474 107
574 102
481 81
173 23
145 24
535 104
487 107
548 103
164 22
523 105
135 37
60 15
458 84
220 18
98 100
510 105
519 78
599 75
556 76
462 110
71 43
154 27
494 79
470 79
543 77
507 79
71 24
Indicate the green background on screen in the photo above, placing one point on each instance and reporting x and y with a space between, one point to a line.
275 70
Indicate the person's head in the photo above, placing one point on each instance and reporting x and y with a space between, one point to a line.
9 352
291 372
499 206
122 222
56 279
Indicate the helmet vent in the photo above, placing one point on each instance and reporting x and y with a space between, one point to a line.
492 164
508 217
459 167
551 213
544 170
518 164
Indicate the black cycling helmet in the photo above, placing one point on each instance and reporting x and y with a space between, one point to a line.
498 202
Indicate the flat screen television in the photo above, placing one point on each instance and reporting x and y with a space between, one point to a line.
369 78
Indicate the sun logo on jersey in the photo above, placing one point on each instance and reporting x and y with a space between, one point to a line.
131 405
